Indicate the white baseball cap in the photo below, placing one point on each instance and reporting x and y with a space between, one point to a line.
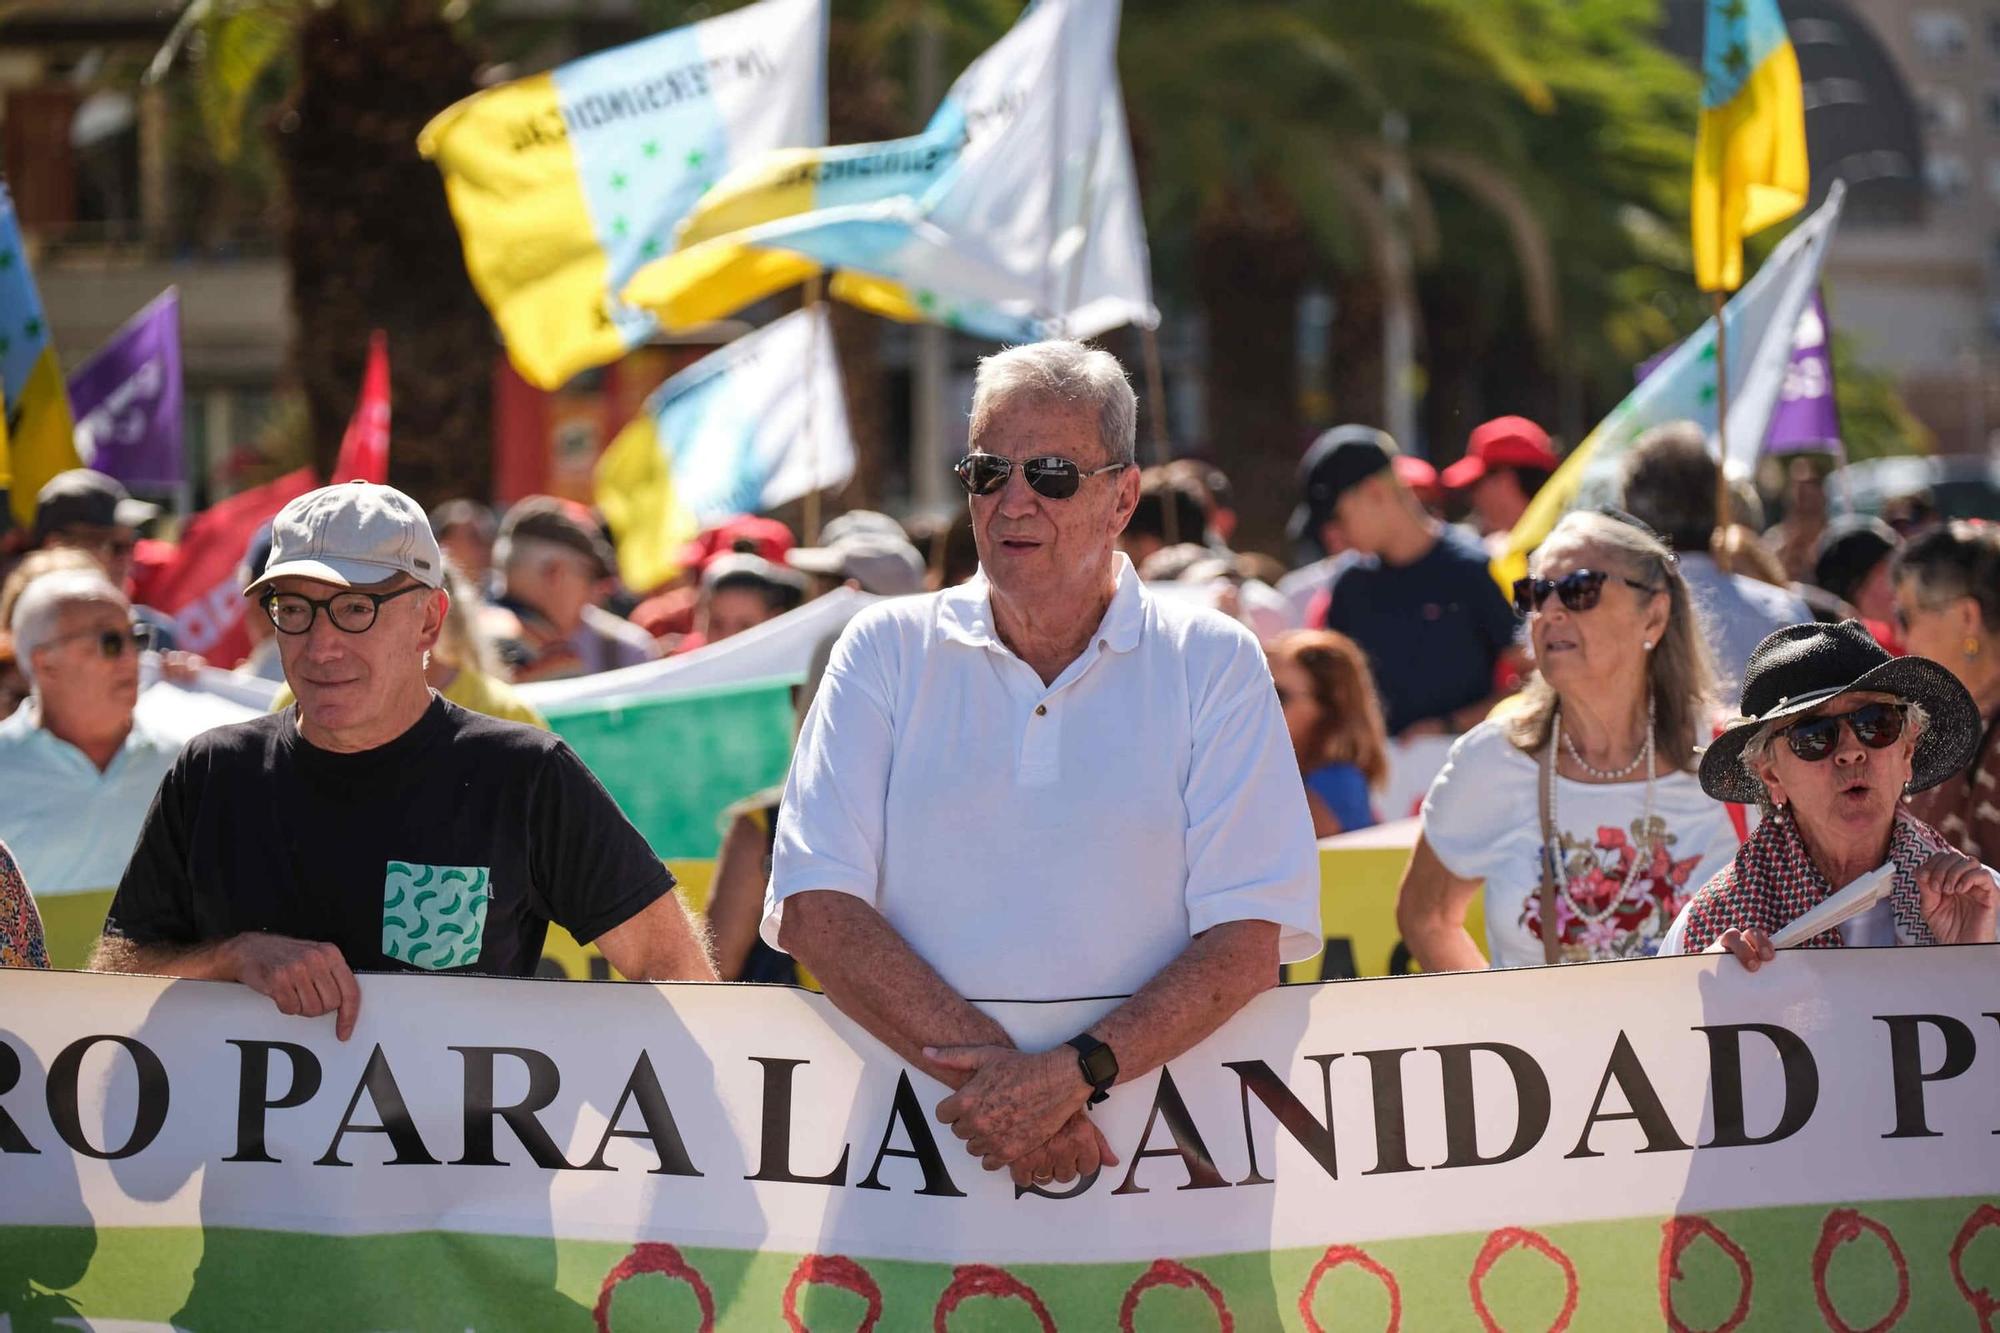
356 534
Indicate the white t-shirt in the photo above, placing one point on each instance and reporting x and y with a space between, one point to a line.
1036 842
1482 818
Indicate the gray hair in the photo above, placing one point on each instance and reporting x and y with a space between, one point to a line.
39 610
1758 747
1680 672
1063 371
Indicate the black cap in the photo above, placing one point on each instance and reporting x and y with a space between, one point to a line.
1849 552
1339 460
87 499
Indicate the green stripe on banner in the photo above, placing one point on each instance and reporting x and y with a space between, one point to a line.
1915 1264
675 763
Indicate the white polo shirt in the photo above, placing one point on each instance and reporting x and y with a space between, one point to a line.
1036 842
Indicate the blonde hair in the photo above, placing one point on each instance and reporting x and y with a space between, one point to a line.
1680 674
35 564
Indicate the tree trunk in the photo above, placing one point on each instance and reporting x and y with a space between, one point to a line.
371 244
1249 267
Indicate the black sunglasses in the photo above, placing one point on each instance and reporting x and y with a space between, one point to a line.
352 612
1579 591
1053 478
1876 726
113 642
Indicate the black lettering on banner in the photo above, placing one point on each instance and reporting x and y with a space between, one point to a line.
1725 1081
1461 1117
907 1111
1254 1076
774 1154
1906 1066
1188 1145
665 1136
147 1117
1645 1105
253 1090
1392 1133
379 1082
544 1082
11 1137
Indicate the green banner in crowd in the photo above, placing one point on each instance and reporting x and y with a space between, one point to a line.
1667 1143
676 762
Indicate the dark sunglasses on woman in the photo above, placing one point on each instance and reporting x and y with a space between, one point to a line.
114 642
1579 591
1052 478
1877 726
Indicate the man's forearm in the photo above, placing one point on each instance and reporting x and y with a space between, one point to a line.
1216 975
200 962
876 979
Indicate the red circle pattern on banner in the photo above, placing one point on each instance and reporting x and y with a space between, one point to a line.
832 1270
986 1280
1677 1234
664 1260
1335 1256
1168 1273
1843 1225
1512 1238
1983 1302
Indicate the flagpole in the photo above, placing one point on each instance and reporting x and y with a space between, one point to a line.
1722 496
811 519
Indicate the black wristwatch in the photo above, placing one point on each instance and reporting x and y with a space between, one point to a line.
1097 1064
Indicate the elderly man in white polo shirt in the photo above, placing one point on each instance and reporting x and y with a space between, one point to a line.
1044 784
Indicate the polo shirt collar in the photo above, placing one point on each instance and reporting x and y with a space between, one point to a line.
965 613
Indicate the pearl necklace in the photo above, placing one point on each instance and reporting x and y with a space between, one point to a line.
1641 847
1612 775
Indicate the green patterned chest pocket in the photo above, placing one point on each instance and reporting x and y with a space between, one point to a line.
434 916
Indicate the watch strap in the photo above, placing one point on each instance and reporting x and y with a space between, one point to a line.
1086 1047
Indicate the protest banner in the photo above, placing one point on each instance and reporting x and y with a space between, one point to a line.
1668 1143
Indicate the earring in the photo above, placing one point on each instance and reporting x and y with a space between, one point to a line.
1647 645
1971 646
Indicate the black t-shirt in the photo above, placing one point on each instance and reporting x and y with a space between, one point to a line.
450 848
1433 629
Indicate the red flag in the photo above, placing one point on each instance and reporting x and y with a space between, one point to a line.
364 450
199 588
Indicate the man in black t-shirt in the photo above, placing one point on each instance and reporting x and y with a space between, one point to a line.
376 826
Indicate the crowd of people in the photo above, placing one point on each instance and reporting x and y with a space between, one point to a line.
1093 760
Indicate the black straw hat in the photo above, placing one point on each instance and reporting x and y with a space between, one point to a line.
1800 667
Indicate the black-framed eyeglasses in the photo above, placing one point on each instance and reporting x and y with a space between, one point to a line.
352 611
111 643
1053 478
1579 591
1876 725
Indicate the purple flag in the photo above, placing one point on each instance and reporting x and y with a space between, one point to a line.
127 399
1806 416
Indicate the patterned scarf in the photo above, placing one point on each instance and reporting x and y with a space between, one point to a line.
1773 881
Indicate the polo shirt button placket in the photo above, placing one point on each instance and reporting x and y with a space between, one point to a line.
1039 748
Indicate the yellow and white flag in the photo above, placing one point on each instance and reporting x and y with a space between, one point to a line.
747 428
567 183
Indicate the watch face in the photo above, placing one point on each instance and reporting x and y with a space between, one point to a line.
1100 1066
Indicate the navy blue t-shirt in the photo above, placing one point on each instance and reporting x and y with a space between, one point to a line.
1433 629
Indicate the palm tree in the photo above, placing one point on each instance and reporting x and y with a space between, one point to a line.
343 89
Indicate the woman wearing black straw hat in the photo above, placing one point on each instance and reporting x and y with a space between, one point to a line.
1836 732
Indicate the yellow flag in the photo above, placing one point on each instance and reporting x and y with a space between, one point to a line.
1750 167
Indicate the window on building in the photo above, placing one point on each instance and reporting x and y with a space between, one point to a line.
1940 34
1946 175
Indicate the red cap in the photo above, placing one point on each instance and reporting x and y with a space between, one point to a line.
1501 442
1419 476
762 536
